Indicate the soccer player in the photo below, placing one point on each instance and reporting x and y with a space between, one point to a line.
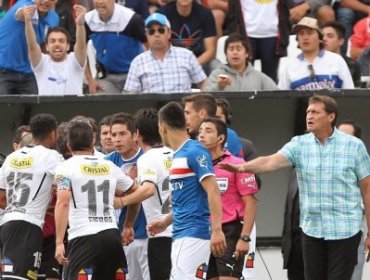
27 177
86 189
239 205
125 157
154 189
195 195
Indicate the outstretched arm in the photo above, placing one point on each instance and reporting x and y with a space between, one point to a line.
80 46
258 165
34 50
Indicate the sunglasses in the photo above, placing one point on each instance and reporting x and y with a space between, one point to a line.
312 72
161 30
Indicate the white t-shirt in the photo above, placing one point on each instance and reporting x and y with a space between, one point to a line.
93 183
27 176
154 166
329 71
260 18
59 78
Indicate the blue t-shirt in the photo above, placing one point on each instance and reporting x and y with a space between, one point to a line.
13 44
125 165
190 165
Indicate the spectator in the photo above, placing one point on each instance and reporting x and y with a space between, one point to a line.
200 106
16 75
332 224
113 28
193 27
348 13
360 41
239 206
219 9
58 73
319 9
105 135
141 7
314 68
238 74
125 157
163 68
333 40
195 196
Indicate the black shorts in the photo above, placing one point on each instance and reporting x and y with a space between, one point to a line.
227 265
159 257
99 255
21 247
50 267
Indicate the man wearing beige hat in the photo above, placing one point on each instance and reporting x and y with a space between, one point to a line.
314 68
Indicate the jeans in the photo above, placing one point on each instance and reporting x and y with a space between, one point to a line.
265 49
17 83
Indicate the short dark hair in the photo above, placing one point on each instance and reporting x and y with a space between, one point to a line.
226 109
204 101
173 115
146 121
80 136
62 140
105 121
356 127
125 119
330 105
19 131
236 37
338 27
221 127
58 29
42 125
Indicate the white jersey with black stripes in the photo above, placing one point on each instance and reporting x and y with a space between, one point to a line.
27 176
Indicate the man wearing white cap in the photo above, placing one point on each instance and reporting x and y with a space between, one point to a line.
314 68
163 68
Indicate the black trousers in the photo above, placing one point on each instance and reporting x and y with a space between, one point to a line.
329 259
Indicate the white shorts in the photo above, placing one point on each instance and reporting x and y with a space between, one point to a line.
190 258
137 259
248 268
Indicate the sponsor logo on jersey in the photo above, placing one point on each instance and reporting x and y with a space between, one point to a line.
167 163
223 184
201 272
250 182
202 161
6 265
84 274
149 172
21 163
32 274
95 169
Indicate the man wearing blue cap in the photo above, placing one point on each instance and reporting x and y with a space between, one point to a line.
163 68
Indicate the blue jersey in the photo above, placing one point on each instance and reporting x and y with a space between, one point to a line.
125 165
190 165
13 44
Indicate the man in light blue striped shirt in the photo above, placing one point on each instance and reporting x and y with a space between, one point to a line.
333 170
163 68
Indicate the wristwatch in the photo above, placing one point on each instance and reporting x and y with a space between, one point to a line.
245 238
